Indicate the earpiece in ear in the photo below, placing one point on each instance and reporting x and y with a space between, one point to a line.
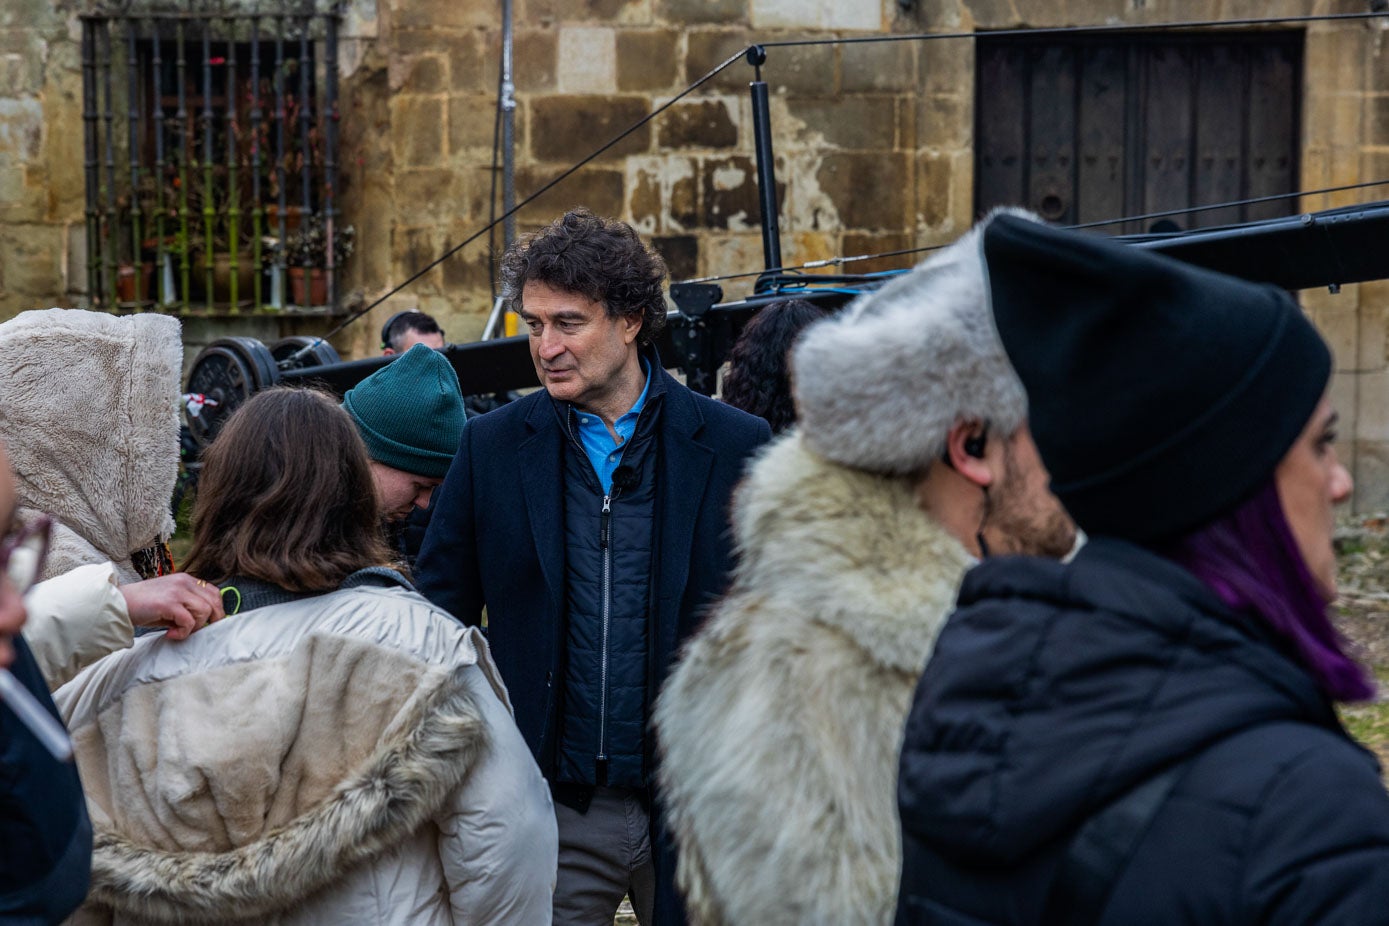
974 446
386 328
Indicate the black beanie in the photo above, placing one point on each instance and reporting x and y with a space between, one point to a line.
1160 394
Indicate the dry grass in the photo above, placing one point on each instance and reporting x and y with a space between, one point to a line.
1363 615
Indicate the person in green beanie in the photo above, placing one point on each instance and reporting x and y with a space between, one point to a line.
410 415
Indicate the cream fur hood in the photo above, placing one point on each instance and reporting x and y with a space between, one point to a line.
89 415
345 759
782 724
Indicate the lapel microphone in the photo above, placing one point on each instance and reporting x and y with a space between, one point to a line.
624 478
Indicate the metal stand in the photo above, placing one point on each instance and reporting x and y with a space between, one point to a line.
766 164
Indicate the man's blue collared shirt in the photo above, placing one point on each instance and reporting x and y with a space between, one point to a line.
603 452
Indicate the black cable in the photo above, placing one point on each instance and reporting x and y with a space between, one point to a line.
1071 30
534 196
1242 202
837 261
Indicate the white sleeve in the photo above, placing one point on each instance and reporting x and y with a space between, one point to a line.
497 837
75 619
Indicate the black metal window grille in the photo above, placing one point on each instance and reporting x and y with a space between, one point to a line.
211 156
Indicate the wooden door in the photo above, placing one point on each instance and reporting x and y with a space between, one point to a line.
1089 128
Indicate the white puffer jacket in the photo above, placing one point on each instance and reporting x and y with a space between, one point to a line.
344 759
75 619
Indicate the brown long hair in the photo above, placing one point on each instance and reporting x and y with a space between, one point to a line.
286 496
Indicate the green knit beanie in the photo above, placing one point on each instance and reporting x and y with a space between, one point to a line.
410 413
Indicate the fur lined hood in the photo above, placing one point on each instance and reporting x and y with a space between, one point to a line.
89 415
286 764
781 726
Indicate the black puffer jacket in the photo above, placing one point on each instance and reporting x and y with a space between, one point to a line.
1055 689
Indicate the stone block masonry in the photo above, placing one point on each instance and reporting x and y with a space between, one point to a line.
874 143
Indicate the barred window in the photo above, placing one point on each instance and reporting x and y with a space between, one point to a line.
211 161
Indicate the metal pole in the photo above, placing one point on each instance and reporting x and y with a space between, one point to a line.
766 166
132 109
306 102
108 118
508 105
330 150
209 212
185 147
307 112
277 288
159 295
257 159
233 139
91 162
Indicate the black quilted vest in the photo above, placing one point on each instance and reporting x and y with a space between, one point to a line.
609 560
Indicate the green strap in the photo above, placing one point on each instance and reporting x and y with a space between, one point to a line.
232 589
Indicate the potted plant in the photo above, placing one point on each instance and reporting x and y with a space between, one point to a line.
306 256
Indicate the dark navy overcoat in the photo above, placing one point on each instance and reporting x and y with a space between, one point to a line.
496 540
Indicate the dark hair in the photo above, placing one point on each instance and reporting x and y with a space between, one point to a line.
401 322
286 496
758 379
1251 561
599 259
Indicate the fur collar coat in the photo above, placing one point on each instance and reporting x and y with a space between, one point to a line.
782 724
89 415
346 759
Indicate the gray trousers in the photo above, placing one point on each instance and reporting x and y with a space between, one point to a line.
603 855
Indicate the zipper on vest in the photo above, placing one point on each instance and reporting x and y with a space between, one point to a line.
604 536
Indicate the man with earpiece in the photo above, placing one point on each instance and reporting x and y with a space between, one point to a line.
781 726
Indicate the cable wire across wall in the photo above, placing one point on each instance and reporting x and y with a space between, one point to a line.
1115 28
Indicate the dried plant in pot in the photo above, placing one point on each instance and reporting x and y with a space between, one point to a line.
306 255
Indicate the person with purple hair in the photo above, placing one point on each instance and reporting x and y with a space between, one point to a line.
1147 733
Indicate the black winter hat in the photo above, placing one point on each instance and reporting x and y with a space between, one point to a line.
1160 394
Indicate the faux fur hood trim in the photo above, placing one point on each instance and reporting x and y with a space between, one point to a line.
851 550
89 415
395 792
878 386
781 725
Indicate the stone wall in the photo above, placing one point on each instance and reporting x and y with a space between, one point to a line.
873 145
41 193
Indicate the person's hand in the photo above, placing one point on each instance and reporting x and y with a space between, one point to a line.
180 602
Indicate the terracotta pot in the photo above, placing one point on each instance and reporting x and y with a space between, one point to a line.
309 291
293 215
125 283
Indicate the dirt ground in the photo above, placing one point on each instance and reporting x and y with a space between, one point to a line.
1363 615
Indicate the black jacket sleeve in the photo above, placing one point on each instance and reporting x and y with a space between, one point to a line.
1318 850
45 836
447 571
